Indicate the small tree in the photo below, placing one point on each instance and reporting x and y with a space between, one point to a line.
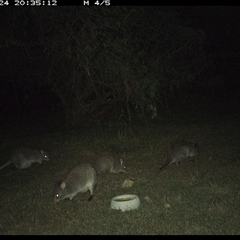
113 61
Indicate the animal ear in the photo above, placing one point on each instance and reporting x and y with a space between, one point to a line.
63 185
121 161
41 151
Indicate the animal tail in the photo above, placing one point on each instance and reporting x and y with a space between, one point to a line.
6 164
90 198
164 166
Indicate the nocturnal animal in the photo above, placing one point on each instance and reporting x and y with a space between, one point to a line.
81 178
108 163
179 151
24 157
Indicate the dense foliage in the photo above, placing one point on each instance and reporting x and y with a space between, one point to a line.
110 61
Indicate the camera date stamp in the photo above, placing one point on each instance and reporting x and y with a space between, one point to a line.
21 3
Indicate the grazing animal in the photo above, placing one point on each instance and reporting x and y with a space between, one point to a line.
107 163
179 151
80 179
24 157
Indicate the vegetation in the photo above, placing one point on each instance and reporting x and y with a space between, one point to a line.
127 80
197 197
105 63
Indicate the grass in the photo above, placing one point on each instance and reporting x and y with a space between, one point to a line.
196 197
